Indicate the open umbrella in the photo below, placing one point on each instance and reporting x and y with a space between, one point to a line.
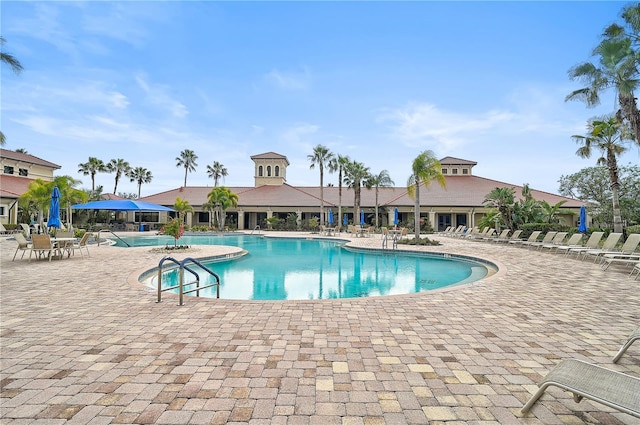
361 218
54 209
582 228
330 217
395 216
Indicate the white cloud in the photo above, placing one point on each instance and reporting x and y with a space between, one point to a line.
289 80
299 134
159 95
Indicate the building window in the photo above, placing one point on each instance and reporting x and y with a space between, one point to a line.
203 217
8 169
23 172
268 170
454 171
465 171
444 171
277 171
3 211
260 171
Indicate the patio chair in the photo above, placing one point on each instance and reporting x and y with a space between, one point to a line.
514 237
557 240
548 237
82 244
586 380
42 246
23 245
503 235
532 238
627 248
609 244
635 335
573 241
26 230
592 242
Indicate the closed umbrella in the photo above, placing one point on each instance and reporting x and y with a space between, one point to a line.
54 209
361 218
395 216
582 228
330 218
345 220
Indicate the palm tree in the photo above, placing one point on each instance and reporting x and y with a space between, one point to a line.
618 69
607 135
187 159
222 198
16 67
216 171
321 157
22 150
120 167
182 207
424 169
140 175
380 180
338 163
503 200
356 175
91 168
38 196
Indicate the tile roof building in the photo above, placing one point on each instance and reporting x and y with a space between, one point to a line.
18 171
460 202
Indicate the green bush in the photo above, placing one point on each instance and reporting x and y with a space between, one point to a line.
633 229
421 241
529 228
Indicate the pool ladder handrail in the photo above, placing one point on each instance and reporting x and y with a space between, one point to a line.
256 228
183 266
385 237
117 237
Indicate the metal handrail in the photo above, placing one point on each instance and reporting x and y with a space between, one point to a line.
256 228
181 285
111 231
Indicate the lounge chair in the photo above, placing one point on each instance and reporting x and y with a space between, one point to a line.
636 271
559 240
23 245
626 259
4 231
514 237
574 241
503 235
627 248
608 245
592 242
26 230
585 380
460 230
42 246
487 233
548 237
532 238
635 335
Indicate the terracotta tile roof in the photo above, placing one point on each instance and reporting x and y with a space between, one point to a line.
30 159
461 191
13 186
449 160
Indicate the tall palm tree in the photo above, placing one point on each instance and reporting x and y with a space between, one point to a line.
120 167
140 175
321 157
16 67
380 180
187 160
338 163
608 135
91 168
216 171
424 169
618 69
356 175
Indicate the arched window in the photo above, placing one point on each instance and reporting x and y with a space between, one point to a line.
268 170
260 171
277 171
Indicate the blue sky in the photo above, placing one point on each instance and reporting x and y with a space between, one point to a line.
377 81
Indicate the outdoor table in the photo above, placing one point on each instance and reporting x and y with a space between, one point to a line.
63 244
330 231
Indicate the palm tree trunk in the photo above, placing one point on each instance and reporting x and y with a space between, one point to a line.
631 113
376 207
321 196
340 223
416 213
612 165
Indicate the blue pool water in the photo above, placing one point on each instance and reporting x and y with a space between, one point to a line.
297 269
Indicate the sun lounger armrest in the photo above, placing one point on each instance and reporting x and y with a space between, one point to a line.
585 380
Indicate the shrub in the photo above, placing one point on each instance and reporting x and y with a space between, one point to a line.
421 241
633 229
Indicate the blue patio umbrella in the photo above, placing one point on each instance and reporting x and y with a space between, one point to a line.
395 216
54 209
330 218
345 220
361 218
582 228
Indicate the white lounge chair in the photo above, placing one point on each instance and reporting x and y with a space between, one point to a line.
548 237
608 245
592 243
23 245
627 248
557 240
635 335
574 240
636 271
585 380
532 238
514 237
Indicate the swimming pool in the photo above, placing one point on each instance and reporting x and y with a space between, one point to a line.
298 269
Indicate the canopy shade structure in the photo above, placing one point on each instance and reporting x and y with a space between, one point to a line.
121 205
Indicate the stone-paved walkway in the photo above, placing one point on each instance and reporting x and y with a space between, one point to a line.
82 343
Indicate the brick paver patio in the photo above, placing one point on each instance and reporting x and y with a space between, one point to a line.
83 343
